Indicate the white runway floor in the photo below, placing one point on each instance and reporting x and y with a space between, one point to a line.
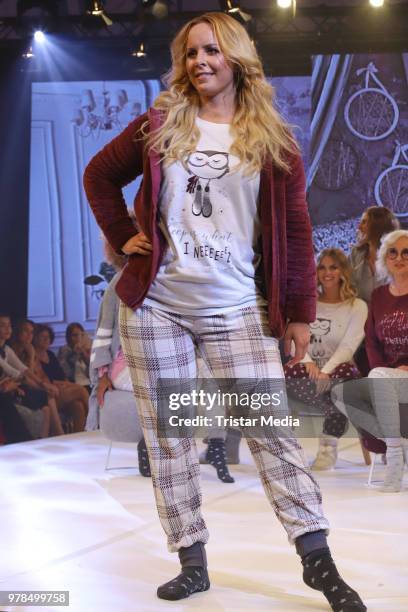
67 524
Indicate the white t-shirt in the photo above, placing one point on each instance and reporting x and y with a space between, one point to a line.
209 216
81 373
336 333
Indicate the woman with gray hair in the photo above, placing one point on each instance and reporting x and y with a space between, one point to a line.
373 404
387 350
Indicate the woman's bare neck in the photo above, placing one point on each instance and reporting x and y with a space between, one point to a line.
330 296
399 286
217 110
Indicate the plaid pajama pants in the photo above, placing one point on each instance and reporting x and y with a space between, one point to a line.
160 344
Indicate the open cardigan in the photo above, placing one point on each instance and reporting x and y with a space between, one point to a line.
289 275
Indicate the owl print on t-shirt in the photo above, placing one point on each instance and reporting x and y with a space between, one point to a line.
205 166
318 329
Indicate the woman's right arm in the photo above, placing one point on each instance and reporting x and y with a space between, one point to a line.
119 163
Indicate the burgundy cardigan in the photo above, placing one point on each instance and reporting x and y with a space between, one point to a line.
287 252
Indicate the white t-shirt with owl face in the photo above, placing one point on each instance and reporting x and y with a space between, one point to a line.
336 333
209 216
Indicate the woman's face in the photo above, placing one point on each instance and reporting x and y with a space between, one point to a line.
5 329
75 337
328 273
25 335
42 340
396 264
363 225
207 68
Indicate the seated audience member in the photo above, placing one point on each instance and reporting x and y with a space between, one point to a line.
37 394
13 425
374 404
74 356
387 350
335 335
22 342
108 367
70 402
72 399
375 222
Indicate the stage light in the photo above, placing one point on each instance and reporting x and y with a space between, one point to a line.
28 54
140 51
284 3
96 10
377 3
160 10
233 8
39 36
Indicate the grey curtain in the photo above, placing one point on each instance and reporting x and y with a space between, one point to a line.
329 78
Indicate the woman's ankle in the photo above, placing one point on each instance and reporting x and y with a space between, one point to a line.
193 556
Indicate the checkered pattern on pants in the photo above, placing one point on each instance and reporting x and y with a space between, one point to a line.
159 344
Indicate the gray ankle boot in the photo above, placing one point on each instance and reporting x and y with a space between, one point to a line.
327 454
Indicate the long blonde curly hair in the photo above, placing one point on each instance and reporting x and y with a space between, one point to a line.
347 289
257 128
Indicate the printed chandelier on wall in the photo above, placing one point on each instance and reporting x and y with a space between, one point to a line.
90 122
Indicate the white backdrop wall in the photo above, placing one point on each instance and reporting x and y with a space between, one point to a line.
64 240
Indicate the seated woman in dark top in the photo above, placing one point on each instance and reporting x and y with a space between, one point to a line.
376 222
39 403
71 399
13 425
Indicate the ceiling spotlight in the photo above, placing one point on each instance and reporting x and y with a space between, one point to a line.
233 8
160 10
39 36
140 51
28 54
284 3
377 3
97 10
